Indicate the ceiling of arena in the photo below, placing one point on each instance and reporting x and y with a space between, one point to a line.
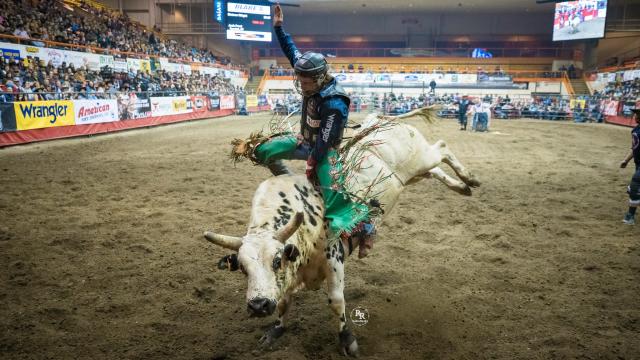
420 6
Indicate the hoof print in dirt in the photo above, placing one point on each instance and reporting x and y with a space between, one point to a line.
270 337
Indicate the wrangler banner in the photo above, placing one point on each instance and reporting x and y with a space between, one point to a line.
43 114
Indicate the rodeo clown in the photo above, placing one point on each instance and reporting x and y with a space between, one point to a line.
325 110
634 187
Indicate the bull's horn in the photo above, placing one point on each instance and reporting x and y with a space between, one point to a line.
292 226
228 242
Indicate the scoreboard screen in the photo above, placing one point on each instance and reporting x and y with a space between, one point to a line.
584 19
248 20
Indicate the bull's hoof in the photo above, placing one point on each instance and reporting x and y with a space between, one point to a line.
270 337
348 343
473 182
466 191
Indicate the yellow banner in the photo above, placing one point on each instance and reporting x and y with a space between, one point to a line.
574 102
252 100
179 105
43 114
145 65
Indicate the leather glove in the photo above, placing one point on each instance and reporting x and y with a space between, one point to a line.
311 169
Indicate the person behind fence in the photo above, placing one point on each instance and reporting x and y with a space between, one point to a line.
634 187
463 108
325 112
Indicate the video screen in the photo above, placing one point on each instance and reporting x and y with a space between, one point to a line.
249 20
575 20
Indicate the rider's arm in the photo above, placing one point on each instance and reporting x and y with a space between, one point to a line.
288 47
333 114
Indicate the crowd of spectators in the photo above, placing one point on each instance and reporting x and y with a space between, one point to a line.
626 92
50 20
30 79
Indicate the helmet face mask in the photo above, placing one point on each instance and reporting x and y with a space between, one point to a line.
308 86
311 73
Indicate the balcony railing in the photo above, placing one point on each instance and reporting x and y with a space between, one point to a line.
191 28
556 53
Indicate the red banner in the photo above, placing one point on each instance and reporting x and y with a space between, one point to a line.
199 103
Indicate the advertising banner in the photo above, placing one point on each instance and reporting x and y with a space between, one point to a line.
119 65
199 103
207 70
611 107
577 102
252 100
95 111
7 117
10 54
162 106
131 106
227 102
43 114
138 64
630 75
214 102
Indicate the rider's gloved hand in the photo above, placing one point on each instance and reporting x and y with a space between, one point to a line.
311 169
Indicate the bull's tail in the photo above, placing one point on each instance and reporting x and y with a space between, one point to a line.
427 114
243 149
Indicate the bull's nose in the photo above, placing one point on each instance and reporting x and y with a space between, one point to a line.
261 307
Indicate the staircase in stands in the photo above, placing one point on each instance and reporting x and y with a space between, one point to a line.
252 85
580 87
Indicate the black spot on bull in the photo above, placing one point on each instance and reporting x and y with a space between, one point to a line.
277 263
312 220
285 208
308 208
340 252
304 191
229 262
282 195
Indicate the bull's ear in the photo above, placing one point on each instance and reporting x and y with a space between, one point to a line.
290 228
291 252
229 262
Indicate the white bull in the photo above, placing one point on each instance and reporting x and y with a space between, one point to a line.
286 247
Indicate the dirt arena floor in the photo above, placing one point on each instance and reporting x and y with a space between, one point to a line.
103 258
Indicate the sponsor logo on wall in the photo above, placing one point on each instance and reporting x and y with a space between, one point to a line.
227 102
163 106
95 111
43 114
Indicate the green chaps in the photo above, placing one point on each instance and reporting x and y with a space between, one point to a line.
343 213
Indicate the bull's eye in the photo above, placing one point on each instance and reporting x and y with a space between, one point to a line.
277 263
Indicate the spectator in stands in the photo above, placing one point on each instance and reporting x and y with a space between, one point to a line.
634 187
21 32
